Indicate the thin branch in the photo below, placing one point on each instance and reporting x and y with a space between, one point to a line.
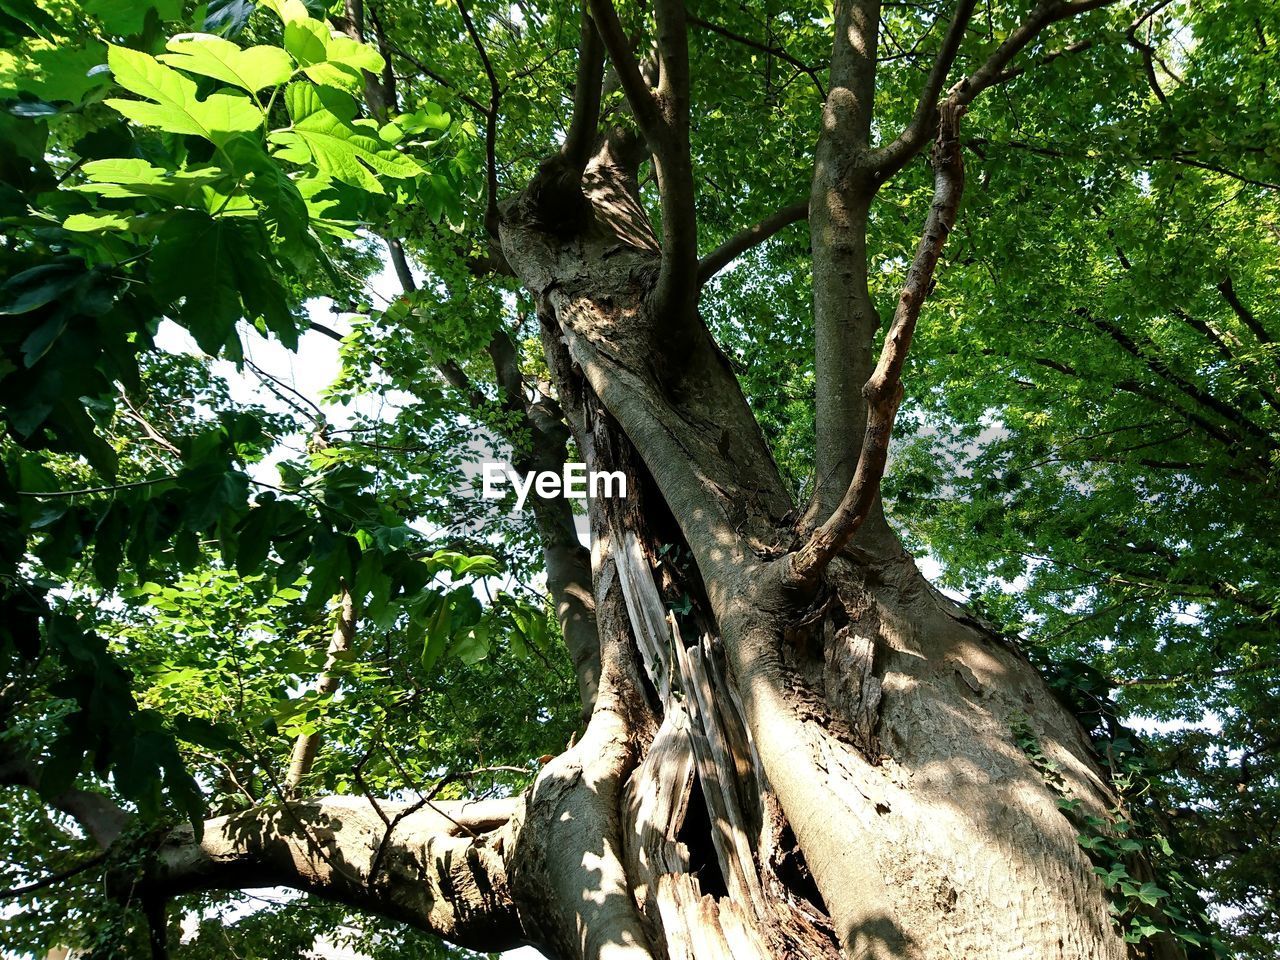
432 75
1044 15
111 488
892 157
307 745
1189 161
152 433
757 233
329 332
773 51
884 389
638 93
1259 667
1078 47
1247 317
490 125
53 879
925 119
1155 362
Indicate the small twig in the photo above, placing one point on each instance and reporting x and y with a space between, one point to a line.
53 879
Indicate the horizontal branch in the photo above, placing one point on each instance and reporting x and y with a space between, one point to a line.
434 867
755 234
101 818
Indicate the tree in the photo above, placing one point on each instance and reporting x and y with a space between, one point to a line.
694 247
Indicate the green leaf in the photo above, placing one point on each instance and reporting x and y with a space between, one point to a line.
30 17
338 149
128 177
127 17
305 40
472 646
42 339
39 286
94 222
250 69
210 297
289 11
176 109
228 17
1150 894
437 628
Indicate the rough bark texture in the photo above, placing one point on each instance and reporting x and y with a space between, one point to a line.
820 759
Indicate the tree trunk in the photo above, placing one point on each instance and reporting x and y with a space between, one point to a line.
849 777
781 772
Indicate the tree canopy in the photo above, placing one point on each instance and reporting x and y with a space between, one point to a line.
1089 444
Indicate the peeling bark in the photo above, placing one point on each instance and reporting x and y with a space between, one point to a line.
819 759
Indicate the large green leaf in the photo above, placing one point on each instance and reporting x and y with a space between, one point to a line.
228 17
339 150
210 296
130 177
250 69
329 58
176 108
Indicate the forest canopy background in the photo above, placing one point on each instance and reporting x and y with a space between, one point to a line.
1088 447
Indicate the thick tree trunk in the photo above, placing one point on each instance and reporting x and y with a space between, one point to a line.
783 772
777 774
856 754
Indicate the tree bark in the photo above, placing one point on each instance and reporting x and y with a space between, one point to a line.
816 766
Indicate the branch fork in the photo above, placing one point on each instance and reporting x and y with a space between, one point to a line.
883 390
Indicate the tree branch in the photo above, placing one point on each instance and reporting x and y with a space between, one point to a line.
1247 316
757 233
663 117
925 120
566 560
887 160
1045 14
578 143
430 74
490 125
637 91
884 389
773 51
677 287
307 745
97 814
439 870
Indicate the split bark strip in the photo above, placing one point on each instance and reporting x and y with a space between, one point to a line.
646 613
654 805
718 772
307 745
695 926
693 731
883 391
